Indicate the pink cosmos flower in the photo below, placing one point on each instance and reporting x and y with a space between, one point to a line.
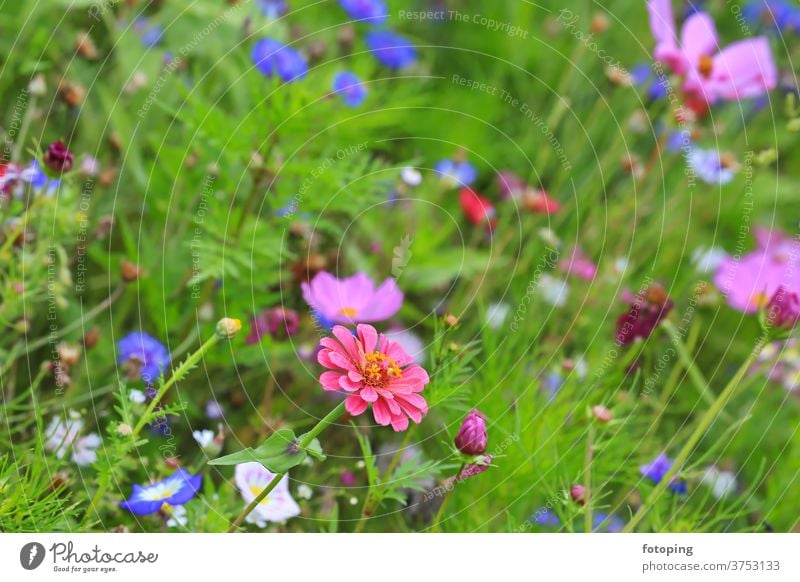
371 368
742 70
579 265
352 300
749 282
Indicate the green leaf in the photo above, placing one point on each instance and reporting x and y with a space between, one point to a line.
279 453
314 448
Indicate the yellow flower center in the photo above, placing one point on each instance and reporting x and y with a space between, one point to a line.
706 65
379 369
348 311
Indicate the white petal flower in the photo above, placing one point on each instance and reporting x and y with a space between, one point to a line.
278 506
497 314
204 438
411 176
136 396
554 291
722 483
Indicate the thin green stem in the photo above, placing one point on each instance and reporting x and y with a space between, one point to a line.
178 373
705 421
304 442
587 494
688 362
440 513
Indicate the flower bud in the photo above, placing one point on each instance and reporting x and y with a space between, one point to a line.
451 320
783 310
124 430
58 158
228 327
578 494
602 414
130 271
472 438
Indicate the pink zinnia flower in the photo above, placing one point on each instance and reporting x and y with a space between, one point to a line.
352 300
749 282
742 70
579 265
371 368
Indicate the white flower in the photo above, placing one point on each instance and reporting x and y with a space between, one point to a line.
304 491
251 479
707 260
722 483
411 176
204 438
549 236
621 265
136 396
62 435
497 314
177 517
409 341
554 291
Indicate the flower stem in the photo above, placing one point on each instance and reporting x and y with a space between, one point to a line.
440 513
587 494
688 362
180 372
306 440
705 421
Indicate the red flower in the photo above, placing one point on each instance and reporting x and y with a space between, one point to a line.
477 209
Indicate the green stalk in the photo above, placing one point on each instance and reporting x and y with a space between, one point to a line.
310 436
688 362
705 421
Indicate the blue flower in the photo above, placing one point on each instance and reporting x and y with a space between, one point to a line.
350 87
546 517
273 9
373 10
709 167
150 35
456 174
776 14
604 522
678 140
390 49
275 58
643 75
656 469
149 356
176 489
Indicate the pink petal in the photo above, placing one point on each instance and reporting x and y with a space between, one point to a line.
345 383
348 342
368 393
385 302
381 412
399 422
355 405
745 69
368 337
662 22
699 37
330 380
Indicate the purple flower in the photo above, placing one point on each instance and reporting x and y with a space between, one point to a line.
350 87
390 49
373 10
352 300
214 410
656 469
776 14
476 468
58 158
275 58
647 309
604 522
273 9
472 438
278 322
783 310
150 35
546 517
176 489
455 174
145 356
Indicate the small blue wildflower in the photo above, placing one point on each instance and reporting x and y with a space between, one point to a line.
150 35
455 174
273 9
609 523
275 58
321 320
374 11
678 140
657 468
149 356
350 87
642 75
175 490
546 517
775 14
552 383
709 167
390 49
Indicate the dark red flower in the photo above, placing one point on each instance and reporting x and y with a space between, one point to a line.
647 309
58 158
783 310
477 209
278 322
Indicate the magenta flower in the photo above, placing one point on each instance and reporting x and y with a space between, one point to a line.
578 265
278 322
352 300
372 369
749 282
743 69
472 438
783 310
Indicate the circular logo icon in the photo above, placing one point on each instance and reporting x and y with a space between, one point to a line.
31 555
